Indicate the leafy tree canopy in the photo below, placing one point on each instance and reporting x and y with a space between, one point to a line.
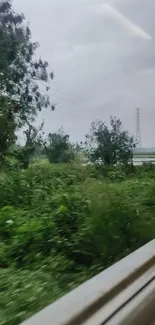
58 147
110 145
33 141
20 73
24 80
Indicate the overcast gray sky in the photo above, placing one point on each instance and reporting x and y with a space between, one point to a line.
103 57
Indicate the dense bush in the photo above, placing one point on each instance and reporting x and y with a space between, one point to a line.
61 224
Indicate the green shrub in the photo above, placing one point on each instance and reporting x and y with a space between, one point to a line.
61 224
110 231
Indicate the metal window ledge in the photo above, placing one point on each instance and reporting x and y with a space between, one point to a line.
124 294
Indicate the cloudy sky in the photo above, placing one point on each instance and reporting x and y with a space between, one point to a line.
103 56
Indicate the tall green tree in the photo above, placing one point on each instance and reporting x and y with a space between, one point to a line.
24 80
58 147
110 145
7 127
33 141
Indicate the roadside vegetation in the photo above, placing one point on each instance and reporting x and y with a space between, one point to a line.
62 219
62 224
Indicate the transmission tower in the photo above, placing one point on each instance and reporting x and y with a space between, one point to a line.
138 129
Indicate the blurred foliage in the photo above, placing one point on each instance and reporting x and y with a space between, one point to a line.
60 224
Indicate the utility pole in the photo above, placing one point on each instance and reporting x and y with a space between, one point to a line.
138 128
